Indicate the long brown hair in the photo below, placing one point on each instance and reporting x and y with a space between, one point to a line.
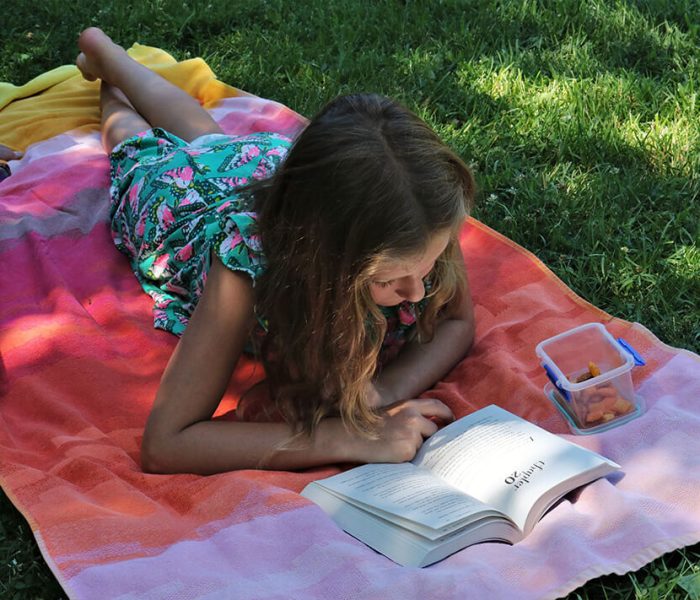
367 180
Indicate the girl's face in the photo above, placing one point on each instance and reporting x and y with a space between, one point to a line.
397 280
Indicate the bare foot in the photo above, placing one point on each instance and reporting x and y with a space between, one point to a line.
96 49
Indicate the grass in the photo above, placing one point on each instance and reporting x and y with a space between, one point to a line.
580 118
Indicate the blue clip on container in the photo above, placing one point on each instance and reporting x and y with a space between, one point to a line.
591 404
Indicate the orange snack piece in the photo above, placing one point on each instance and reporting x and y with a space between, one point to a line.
601 403
607 391
622 406
593 416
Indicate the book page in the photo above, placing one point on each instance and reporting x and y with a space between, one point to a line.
457 452
505 461
409 493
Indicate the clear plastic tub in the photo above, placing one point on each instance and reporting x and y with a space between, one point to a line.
591 380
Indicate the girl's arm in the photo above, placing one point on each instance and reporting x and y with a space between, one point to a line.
419 366
180 435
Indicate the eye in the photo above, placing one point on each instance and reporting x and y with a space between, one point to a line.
383 284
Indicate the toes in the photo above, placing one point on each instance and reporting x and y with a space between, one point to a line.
91 37
82 64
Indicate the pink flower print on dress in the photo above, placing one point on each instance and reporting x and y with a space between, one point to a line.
228 184
199 286
160 266
132 151
129 246
230 242
276 151
165 215
234 181
134 192
181 177
406 314
254 242
185 253
223 206
191 197
162 302
140 228
182 319
247 153
262 171
176 289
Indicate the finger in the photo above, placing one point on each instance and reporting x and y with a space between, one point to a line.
427 428
431 407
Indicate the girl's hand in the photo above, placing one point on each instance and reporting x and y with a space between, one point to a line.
402 430
8 153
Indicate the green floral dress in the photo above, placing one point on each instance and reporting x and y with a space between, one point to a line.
174 203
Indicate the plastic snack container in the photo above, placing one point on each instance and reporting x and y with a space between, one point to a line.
590 378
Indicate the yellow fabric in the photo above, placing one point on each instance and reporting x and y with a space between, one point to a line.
61 100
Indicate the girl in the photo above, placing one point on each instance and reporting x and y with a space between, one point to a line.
334 258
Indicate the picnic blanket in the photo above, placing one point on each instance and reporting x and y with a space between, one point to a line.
80 363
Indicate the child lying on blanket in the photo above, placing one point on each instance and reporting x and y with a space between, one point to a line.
327 256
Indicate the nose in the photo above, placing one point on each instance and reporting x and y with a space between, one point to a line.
412 289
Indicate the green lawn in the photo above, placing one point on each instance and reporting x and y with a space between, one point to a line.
580 118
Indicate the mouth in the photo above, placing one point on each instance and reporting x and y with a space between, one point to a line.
397 303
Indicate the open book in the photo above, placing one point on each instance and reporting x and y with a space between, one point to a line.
489 476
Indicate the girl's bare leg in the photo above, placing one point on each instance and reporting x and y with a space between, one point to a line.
159 102
119 118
